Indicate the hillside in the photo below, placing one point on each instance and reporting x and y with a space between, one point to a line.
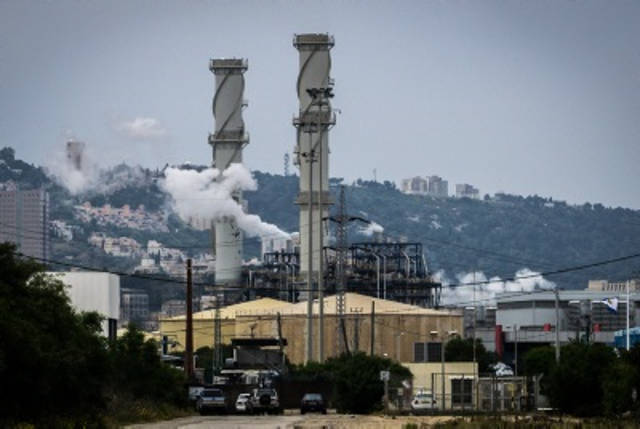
497 235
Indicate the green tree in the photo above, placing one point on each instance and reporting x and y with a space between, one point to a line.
461 350
576 383
139 372
617 385
52 360
356 379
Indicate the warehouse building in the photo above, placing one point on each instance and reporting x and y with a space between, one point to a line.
398 329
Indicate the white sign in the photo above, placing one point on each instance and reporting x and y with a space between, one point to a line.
384 375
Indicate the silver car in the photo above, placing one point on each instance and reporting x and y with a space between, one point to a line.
423 401
242 403
211 400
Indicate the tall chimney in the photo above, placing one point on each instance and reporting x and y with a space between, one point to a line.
227 142
315 118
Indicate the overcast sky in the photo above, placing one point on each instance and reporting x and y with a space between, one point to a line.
538 97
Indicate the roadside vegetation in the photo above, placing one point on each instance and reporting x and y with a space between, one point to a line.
589 379
355 379
56 370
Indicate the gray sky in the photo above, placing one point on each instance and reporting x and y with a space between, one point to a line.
524 97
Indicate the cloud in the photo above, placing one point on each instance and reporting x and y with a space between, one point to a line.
141 128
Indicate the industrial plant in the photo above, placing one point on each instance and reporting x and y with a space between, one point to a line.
312 263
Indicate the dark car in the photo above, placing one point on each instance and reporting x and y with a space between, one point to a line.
313 402
264 400
211 400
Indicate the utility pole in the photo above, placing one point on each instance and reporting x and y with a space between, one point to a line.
280 345
515 333
217 337
557 345
340 268
475 316
188 364
373 327
444 343
309 355
628 305
320 235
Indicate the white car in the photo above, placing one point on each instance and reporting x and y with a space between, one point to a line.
423 401
242 402
502 370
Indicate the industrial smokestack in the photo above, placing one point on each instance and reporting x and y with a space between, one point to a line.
314 87
227 142
311 153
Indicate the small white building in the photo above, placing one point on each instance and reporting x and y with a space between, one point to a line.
93 291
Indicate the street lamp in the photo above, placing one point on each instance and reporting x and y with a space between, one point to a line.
445 337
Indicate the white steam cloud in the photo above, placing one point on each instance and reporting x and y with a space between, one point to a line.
525 280
197 194
371 228
76 178
142 128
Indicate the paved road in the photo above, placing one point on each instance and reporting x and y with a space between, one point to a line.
226 422
309 421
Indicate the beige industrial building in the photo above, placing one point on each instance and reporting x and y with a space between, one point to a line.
461 379
203 323
401 331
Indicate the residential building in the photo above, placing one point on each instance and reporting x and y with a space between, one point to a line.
134 306
465 190
24 221
416 185
437 187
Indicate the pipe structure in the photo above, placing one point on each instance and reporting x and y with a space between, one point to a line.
227 143
314 119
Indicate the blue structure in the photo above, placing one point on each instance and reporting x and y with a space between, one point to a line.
620 338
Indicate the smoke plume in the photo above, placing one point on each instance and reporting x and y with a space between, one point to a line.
371 228
486 290
197 194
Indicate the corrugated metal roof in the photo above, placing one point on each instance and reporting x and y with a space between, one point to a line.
354 304
230 311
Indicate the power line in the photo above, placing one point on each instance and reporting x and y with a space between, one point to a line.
245 288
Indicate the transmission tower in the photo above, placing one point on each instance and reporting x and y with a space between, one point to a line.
342 219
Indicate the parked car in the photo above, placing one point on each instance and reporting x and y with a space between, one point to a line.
423 401
264 400
211 400
313 402
502 370
242 403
